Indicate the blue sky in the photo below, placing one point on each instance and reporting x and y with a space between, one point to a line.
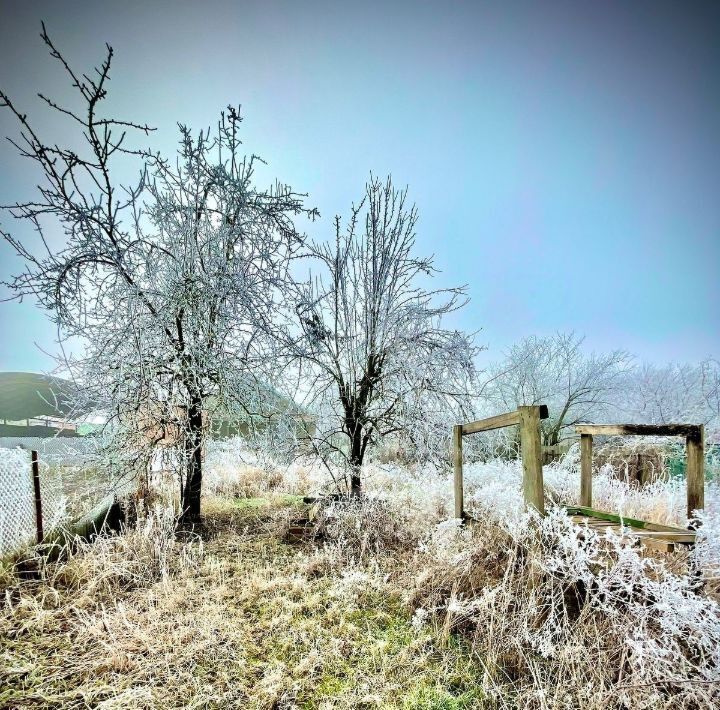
564 156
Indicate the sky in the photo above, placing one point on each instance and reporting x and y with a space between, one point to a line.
564 156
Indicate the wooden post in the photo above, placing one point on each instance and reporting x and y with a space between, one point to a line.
695 446
38 500
458 469
586 449
531 446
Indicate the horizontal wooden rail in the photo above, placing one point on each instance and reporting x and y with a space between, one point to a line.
625 520
639 429
498 422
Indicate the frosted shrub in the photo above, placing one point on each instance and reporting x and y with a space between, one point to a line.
559 612
365 527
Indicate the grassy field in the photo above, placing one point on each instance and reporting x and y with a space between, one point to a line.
390 605
235 618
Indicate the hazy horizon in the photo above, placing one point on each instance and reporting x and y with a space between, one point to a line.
564 157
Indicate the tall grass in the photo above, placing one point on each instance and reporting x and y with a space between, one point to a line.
394 604
556 614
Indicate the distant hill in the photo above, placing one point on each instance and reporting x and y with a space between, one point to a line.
27 395
24 395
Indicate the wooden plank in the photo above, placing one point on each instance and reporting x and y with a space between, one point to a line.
458 471
687 538
499 422
638 429
695 445
629 522
658 545
531 447
662 540
586 447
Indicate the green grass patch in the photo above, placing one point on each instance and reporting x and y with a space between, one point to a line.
248 625
283 500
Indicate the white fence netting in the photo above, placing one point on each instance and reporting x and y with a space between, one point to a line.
18 523
71 484
17 508
66 451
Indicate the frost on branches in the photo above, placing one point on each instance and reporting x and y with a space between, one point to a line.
170 282
371 341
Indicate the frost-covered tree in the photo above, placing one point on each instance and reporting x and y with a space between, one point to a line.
371 342
170 283
556 371
673 393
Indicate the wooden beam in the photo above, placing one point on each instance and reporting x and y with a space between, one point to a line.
531 447
458 471
638 429
499 422
695 472
629 522
686 538
586 447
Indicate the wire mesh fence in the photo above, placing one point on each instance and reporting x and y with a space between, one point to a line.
71 483
18 512
74 478
67 451
17 508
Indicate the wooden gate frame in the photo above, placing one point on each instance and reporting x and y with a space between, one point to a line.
528 418
694 444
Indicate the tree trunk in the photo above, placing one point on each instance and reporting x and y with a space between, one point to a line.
193 458
552 437
356 460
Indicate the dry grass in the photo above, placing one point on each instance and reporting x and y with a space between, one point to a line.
388 607
239 619
561 618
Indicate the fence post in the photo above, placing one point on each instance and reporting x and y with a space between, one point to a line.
38 499
695 446
586 449
458 470
531 446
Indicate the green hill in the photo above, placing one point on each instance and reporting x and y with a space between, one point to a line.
26 394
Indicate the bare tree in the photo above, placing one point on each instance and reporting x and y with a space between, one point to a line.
371 342
171 283
555 371
673 393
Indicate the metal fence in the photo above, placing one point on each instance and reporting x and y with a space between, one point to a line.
17 507
25 510
20 516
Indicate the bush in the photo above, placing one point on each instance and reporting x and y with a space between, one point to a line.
562 617
365 527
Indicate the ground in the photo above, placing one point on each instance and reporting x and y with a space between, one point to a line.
392 605
244 619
